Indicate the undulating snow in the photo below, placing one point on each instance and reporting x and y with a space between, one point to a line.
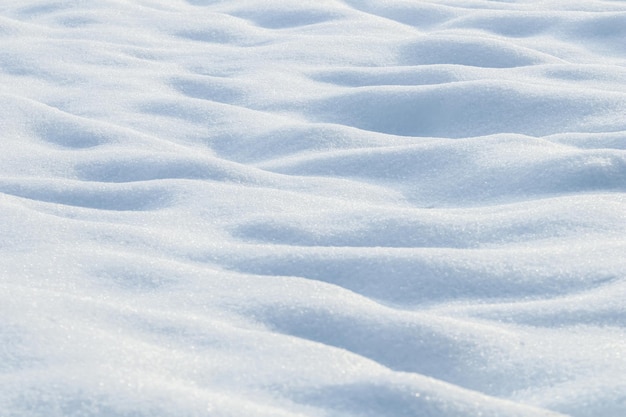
312 208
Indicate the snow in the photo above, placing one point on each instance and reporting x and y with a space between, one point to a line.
312 208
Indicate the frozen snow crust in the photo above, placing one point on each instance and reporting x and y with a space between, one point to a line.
312 208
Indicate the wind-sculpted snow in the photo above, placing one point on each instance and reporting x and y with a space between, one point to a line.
312 208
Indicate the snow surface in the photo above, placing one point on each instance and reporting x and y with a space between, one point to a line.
313 208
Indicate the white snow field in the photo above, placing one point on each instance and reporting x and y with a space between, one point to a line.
312 208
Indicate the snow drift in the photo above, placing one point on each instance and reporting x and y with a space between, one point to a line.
312 208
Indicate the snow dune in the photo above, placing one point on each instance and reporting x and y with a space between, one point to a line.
312 208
